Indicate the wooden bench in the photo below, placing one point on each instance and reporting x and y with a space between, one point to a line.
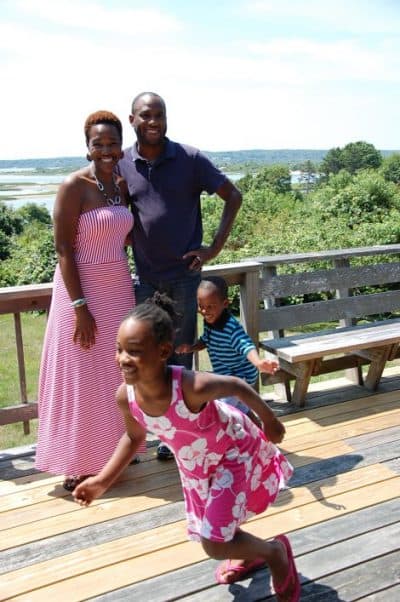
347 346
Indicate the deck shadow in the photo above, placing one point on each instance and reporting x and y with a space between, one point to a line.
314 470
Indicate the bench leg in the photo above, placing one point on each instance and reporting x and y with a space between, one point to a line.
282 390
303 375
354 375
381 355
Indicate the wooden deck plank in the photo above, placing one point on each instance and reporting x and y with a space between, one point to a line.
352 576
94 560
61 509
311 426
115 507
79 539
49 489
10 483
343 463
200 577
314 419
132 523
372 439
373 402
126 547
58 504
63 514
7 486
136 569
341 555
353 429
30 494
392 594
319 489
358 580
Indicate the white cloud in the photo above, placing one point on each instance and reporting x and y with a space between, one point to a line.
97 17
228 92
358 16
302 60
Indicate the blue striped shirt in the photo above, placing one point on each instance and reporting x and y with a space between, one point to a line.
228 345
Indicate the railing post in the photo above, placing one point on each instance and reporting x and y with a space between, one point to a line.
282 390
21 365
249 300
352 374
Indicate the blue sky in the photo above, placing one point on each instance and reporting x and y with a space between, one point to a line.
235 74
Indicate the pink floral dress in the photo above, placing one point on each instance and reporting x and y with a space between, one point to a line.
229 470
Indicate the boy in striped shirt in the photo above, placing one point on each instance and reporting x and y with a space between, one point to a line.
231 350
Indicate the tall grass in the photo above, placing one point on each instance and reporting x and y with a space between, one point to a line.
33 326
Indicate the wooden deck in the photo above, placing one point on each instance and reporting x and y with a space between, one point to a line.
342 513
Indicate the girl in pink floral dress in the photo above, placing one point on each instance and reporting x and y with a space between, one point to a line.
230 469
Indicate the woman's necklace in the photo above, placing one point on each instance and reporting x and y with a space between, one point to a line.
116 199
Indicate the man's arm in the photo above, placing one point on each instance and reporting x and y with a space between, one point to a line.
232 198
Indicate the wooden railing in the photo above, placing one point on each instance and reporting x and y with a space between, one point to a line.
15 300
18 299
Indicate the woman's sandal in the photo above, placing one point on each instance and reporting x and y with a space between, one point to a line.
292 574
70 483
239 571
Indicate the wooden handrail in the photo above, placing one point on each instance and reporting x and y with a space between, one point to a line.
271 260
17 299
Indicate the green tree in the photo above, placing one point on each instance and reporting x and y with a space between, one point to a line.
391 168
332 162
275 177
366 197
10 224
32 212
33 257
352 157
245 183
360 155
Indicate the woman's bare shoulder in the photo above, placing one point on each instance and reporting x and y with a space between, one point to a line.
77 178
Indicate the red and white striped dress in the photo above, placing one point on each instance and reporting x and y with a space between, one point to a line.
79 421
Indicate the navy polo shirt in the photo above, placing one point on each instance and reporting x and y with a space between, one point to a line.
165 201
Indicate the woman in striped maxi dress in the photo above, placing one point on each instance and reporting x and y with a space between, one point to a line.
79 422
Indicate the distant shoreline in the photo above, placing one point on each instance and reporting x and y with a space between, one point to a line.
228 161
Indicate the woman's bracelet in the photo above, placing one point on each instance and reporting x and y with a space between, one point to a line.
79 302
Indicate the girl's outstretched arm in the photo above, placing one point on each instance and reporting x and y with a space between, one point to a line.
93 487
200 387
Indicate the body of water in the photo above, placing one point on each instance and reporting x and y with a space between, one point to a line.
18 189
22 185
38 188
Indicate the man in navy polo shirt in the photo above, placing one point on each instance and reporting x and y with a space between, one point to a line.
165 181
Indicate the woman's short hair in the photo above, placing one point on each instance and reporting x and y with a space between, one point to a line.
102 117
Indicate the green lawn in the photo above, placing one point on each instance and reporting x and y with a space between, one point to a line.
33 325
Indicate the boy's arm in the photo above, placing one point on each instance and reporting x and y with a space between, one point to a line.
262 363
186 348
129 443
